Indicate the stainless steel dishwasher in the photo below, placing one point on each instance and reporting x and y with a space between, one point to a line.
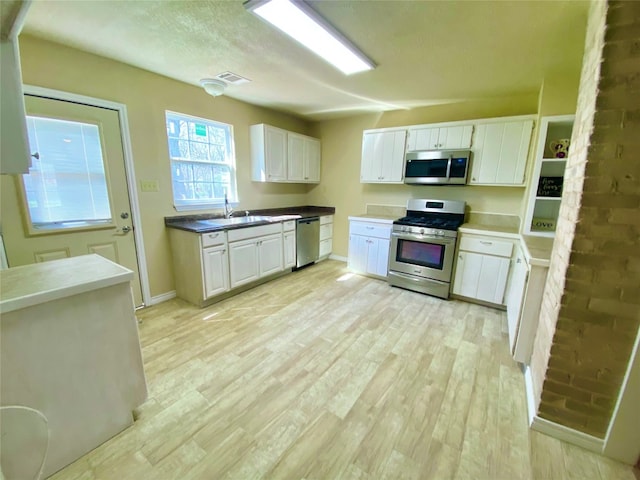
307 240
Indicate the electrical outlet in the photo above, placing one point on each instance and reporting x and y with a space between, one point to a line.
149 186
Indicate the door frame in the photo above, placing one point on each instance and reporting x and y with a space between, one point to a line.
125 136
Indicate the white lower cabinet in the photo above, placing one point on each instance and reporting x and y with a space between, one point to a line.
524 300
326 236
270 255
254 253
243 262
369 247
482 268
289 244
215 262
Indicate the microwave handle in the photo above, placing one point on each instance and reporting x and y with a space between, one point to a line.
449 167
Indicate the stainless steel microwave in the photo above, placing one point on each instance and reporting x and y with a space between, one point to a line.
437 167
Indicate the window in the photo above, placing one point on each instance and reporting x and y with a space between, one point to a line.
66 186
202 157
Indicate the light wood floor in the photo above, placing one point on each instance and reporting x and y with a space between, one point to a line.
322 374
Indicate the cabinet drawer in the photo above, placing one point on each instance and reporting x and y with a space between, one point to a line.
489 246
324 219
213 238
326 231
370 230
288 225
325 247
252 232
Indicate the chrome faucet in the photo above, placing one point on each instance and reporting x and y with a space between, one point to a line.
228 211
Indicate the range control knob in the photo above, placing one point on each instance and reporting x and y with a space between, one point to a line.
422 231
441 233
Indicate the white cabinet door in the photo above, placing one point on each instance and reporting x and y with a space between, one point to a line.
383 157
295 156
500 153
434 138
275 145
377 256
216 271
289 246
455 137
243 262
311 154
357 260
467 274
483 277
515 296
270 254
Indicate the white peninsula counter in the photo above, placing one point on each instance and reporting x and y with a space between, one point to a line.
69 347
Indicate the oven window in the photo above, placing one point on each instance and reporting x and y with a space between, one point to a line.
421 253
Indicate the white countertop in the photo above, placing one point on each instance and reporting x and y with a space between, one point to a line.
375 218
28 285
537 250
493 230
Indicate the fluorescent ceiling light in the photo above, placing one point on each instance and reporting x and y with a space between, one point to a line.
303 24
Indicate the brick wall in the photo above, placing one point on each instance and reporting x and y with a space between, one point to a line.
591 306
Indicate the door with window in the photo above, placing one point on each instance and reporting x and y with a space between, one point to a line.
75 199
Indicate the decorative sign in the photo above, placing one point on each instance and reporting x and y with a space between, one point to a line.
543 224
201 130
550 187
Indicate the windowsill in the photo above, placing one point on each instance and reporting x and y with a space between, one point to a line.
210 206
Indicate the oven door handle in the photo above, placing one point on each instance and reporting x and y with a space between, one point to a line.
424 238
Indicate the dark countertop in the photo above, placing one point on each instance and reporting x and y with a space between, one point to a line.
192 223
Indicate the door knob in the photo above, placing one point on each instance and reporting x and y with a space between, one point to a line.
124 215
126 229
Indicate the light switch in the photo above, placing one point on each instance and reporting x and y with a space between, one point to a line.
149 186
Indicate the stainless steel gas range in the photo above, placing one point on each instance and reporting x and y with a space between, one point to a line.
423 244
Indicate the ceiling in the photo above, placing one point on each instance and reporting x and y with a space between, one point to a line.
427 52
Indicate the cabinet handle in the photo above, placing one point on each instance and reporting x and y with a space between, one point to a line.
224 251
518 261
213 235
369 228
486 243
459 257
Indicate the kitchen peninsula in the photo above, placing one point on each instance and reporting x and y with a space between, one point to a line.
70 349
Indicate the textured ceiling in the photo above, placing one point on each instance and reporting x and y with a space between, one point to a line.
427 52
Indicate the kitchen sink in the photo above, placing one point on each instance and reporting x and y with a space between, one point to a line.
225 222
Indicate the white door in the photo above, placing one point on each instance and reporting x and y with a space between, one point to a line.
270 254
243 262
311 160
358 247
216 270
295 156
75 199
275 141
289 239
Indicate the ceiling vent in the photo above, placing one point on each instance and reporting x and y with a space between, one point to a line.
232 78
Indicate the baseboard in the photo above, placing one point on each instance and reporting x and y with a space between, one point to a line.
528 387
568 435
338 257
555 430
162 298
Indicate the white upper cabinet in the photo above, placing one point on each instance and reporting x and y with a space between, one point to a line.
500 153
303 158
439 138
14 148
278 155
383 156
